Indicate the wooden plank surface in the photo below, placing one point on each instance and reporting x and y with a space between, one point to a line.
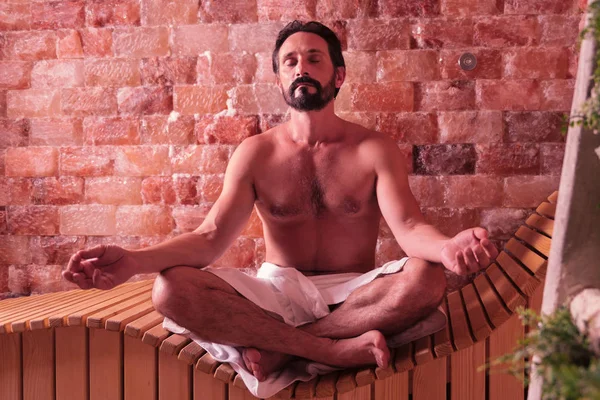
423 352
541 223
140 370
502 385
508 292
119 321
138 327
99 318
236 393
518 274
155 335
174 378
394 387
106 365
477 320
429 380
174 343
553 198
494 308
206 387
547 209
461 335
526 256
11 367
71 363
467 382
359 393
403 358
38 365
442 344
535 239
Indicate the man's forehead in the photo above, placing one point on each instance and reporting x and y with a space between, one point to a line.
304 42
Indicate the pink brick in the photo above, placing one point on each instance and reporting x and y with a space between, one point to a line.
368 120
512 95
200 159
388 97
465 8
406 151
57 191
2 156
275 10
414 128
451 221
32 220
188 218
142 161
15 75
533 126
89 101
233 11
144 220
31 161
470 126
506 31
168 70
420 8
529 190
254 227
535 63
442 32
2 104
472 191
112 72
174 129
508 159
269 121
37 279
259 252
113 13
168 12
111 131
28 45
158 190
141 42
190 100
540 6
345 9
57 15
361 67
55 249
557 95
552 155
57 73
237 68
15 191
14 17
445 95
69 44
559 30
502 223
264 68
239 255
191 40
33 103
127 242
387 250
210 187
489 64
449 159
96 220
225 129
14 132
370 34
97 42
14 250
269 100
186 189
145 100
427 190
263 37
87 161
56 132
411 65
113 190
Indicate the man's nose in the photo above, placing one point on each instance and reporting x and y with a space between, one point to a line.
301 69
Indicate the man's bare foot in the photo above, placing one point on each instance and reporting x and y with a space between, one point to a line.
262 362
367 349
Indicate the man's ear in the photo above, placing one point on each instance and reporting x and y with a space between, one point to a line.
278 81
340 76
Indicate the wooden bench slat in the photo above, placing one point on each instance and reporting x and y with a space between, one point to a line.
423 351
403 359
225 373
547 209
442 345
155 335
306 390
553 198
11 306
536 240
520 275
382 373
119 321
139 370
11 367
505 288
138 327
327 384
38 365
97 319
346 381
461 335
191 353
30 306
365 377
79 316
174 378
540 223
174 343
239 382
533 261
206 363
479 324
493 305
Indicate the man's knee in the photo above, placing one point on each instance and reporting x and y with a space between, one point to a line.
169 289
429 279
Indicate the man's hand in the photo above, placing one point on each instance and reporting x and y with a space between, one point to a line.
101 267
468 252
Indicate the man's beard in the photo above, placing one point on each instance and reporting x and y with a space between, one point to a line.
307 101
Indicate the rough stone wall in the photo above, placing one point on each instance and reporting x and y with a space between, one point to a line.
117 118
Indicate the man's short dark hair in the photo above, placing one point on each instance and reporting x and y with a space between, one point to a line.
333 43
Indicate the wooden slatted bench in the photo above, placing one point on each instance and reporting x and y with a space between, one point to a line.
103 345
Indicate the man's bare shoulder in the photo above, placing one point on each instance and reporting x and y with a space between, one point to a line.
373 144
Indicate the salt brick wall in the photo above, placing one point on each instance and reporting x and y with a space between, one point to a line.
117 118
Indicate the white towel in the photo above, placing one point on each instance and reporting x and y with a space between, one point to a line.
296 298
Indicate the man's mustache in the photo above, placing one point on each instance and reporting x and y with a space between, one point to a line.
304 79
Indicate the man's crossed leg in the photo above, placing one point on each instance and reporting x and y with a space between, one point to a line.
351 335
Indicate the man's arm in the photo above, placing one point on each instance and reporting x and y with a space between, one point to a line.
222 225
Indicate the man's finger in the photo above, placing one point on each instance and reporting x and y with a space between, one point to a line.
471 261
460 262
74 263
480 233
93 252
68 275
490 249
82 281
482 258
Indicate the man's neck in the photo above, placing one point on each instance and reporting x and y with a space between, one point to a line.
315 127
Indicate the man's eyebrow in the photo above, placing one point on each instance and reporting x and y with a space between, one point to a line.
291 53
